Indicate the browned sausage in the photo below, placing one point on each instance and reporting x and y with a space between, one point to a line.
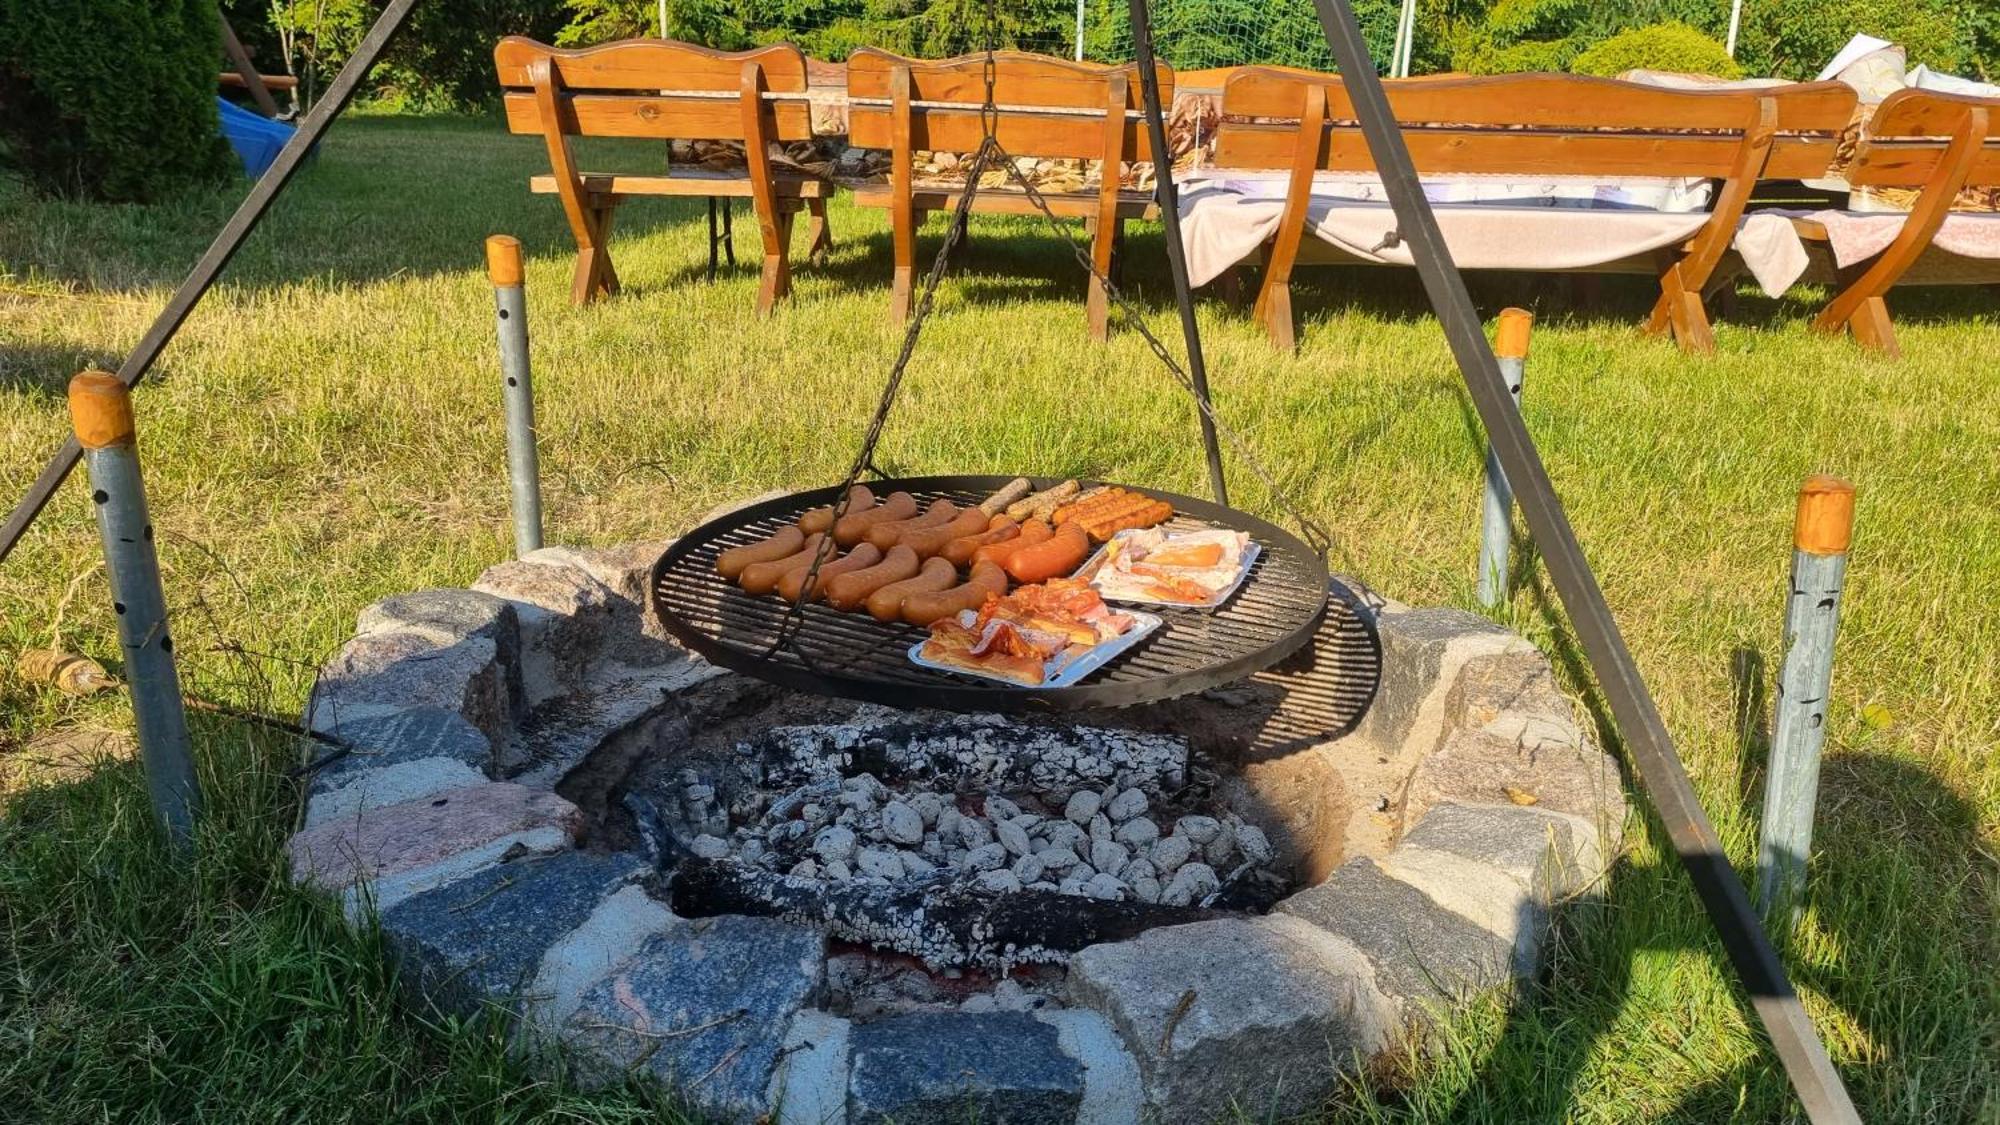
762 578
859 500
998 530
987 580
851 589
1032 532
853 527
1063 553
795 580
730 563
937 574
887 534
929 541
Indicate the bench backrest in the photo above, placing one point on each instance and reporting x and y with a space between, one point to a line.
1916 135
1049 107
654 88
1540 125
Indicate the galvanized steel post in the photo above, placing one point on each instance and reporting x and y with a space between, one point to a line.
524 466
100 407
1820 535
1496 533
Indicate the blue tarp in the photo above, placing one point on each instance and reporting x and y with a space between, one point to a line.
256 139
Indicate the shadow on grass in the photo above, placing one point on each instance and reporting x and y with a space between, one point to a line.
42 370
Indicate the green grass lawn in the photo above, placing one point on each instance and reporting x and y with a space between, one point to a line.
327 430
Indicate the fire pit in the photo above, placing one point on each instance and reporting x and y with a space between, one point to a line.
830 909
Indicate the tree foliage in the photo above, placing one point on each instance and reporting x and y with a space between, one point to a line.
1663 46
111 99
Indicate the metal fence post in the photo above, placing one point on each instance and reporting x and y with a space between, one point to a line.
524 466
1820 536
1496 532
100 407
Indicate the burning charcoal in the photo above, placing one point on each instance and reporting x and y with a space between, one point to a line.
1256 846
1063 834
813 813
790 831
1141 868
1082 871
1013 838
974 833
867 785
947 825
879 862
837 871
1001 881
1126 805
1028 869
914 864
1219 850
902 824
1110 888
999 808
1090 765
709 847
752 851
834 845
1108 856
698 794
1009 996
1146 890
1082 805
857 800
1169 852
1044 886
928 806
1192 883
804 869
1199 829
1058 859
1100 827
1137 833
956 856
986 857
1028 821
1070 887
981 1002
933 848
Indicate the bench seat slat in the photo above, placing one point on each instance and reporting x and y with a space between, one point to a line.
1009 201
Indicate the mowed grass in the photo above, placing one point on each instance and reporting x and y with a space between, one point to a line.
327 431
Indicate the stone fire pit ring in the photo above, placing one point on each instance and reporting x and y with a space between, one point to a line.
482 810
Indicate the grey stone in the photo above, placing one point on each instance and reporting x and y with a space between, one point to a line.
566 622
1480 893
1111 1090
370 789
1421 952
1126 805
810 1087
944 1068
1259 1013
610 936
451 614
1553 854
1474 767
1422 651
704 1009
902 824
379 673
482 939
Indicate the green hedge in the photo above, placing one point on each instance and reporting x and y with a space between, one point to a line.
1668 46
111 99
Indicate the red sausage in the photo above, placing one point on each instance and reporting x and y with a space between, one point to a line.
859 500
887 535
762 578
885 603
730 563
795 580
1057 557
998 530
851 589
987 581
853 527
1032 532
932 540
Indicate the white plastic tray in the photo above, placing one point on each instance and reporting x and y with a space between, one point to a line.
1070 671
1250 552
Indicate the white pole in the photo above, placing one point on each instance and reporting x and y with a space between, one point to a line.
1735 21
1406 32
1079 30
663 19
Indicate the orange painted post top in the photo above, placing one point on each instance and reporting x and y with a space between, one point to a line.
100 407
1825 522
1511 340
503 259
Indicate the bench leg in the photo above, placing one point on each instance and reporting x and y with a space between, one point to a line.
1861 312
905 239
1097 302
595 277
777 280
819 237
1681 309
1273 306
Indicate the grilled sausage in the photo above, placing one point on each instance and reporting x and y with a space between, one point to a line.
1060 555
1042 503
995 504
1082 503
1033 532
795 580
886 603
998 530
929 541
987 581
850 590
787 541
1154 512
859 500
853 527
888 534
762 578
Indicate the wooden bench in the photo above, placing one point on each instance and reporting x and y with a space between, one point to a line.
1937 143
657 88
1538 125
1048 107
